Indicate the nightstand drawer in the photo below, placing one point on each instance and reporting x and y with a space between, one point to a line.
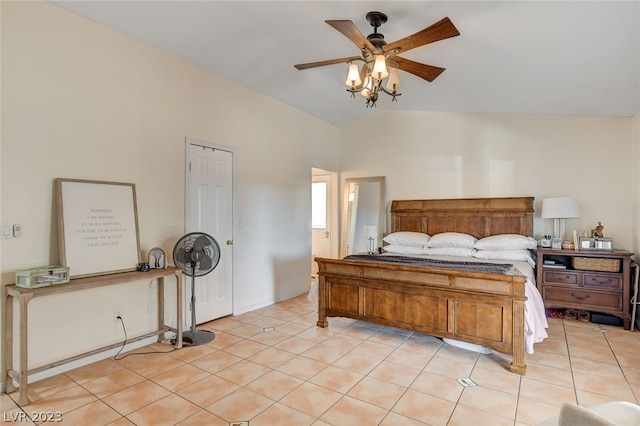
560 277
602 281
584 298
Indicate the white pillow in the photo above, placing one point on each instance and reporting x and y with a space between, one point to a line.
407 238
451 251
521 255
400 249
506 242
452 239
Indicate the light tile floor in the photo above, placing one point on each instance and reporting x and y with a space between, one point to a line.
273 366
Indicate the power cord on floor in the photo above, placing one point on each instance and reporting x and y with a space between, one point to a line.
115 357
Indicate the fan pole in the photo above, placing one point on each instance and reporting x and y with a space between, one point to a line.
195 337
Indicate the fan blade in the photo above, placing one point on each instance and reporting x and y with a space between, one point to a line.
201 242
441 30
428 72
349 30
329 62
205 263
182 256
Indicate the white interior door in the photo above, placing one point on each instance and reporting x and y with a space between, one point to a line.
320 219
210 210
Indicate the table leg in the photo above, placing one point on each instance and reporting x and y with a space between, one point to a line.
24 350
160 307
8 343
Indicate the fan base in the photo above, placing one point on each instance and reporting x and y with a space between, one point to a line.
199 337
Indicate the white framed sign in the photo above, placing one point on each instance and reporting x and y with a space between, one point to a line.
97 227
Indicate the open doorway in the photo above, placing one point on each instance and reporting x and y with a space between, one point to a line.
324 216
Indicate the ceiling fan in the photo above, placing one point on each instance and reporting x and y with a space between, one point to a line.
381 59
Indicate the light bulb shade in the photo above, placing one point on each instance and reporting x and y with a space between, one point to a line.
380 67
368 86
393 84
353 77
370 231
560 208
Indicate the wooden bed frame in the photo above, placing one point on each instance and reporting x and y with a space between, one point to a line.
476 307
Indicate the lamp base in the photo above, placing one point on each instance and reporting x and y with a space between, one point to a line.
559 229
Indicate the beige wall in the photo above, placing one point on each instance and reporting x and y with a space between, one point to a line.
81 101
455 155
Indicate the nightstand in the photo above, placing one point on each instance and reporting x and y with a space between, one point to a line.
597 281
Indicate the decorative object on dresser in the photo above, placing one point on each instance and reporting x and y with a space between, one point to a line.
595 281
559 209
438 301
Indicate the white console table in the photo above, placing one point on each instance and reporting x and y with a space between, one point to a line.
24 296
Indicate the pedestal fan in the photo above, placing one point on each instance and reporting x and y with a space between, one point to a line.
196 254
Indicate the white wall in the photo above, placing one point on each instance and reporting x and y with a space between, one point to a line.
81 101
457 155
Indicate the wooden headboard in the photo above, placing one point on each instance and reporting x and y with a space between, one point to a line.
480 217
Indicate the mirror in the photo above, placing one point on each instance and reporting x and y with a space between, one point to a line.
363 215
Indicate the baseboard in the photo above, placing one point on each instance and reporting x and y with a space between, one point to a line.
265 303
84 361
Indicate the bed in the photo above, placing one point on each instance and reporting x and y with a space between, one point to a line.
486 308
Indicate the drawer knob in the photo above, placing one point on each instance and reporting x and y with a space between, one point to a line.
575 296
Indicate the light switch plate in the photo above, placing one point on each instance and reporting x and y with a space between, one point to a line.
6 230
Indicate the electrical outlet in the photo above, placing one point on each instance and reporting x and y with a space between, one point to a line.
116 314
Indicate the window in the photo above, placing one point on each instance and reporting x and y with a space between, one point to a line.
319 205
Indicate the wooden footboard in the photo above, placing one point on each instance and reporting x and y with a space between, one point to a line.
475 307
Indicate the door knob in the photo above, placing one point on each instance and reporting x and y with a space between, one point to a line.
229 242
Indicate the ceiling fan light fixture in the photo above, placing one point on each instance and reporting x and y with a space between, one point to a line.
393 83
367 87
380 67
353 76
375 52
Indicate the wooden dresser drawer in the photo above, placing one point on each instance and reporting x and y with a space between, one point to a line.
595 280
583 298
560 277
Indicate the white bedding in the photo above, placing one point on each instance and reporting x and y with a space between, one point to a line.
535 322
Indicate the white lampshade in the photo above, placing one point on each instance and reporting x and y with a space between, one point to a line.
380 67
393 84
370 231
368 86
560 208
353 77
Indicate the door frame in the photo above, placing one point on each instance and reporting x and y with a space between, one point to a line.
192 141
334 203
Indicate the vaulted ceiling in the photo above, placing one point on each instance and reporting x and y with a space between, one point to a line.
526 57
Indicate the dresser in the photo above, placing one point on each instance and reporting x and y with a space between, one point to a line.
568 279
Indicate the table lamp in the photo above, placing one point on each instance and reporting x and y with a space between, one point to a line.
559 209
370 232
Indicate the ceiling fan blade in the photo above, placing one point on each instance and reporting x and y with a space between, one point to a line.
428 72
349 30
441 30
329 62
